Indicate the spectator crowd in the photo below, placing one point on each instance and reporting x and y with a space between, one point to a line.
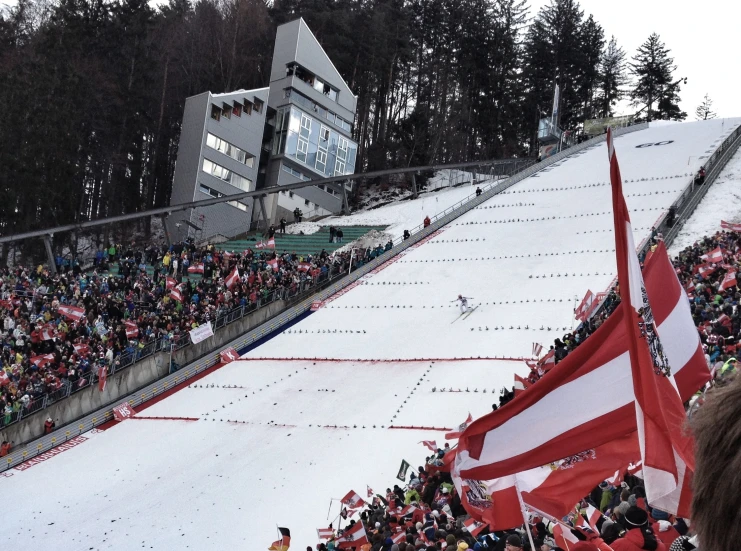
58 331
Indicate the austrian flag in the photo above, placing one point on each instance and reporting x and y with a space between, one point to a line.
352 500
461 428
73 313
354 536
430 445
474 526
729 281
232 279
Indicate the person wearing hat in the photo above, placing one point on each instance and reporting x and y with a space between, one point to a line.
639 534
513 543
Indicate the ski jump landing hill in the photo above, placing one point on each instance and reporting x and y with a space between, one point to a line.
338 399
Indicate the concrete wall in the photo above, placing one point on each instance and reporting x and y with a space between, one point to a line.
131 379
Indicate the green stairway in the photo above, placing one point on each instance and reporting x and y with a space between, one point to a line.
302 244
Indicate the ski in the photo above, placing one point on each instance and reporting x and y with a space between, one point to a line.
471 311
459 317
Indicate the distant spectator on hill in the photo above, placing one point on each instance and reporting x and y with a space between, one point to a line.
49 425
427 221
332 233
700 178
339 235
478 191
407 235
283 225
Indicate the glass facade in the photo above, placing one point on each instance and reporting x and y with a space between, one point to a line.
222 173
308 140
231 150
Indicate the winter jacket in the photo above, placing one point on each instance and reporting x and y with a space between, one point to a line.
633 541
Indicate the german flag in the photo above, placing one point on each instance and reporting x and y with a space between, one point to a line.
284 542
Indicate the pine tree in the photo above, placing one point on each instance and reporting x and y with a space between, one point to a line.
654 90
612 78
704 110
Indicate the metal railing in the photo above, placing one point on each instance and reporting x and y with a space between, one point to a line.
342 280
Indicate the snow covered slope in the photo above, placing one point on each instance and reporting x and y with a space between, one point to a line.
722 202
275 438
526 256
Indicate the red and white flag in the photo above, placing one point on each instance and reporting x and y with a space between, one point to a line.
563 536
666 449
175 294
547 362
229 355
271 243
74 313
273 264
42 360
728 226
260 245
81 349
47 332
170 282
354 536
304 267
352 500
475 526
196 268
715 256
399 537
502 443
324 533
705 269
430 445
552 489
520 384
729 280
585 307
132 329
370 491
102 377
537 349
232 279
593 515
457 433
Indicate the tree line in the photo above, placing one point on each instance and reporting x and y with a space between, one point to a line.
93 91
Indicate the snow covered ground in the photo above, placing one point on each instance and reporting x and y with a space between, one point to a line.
722 202
280 433
404 215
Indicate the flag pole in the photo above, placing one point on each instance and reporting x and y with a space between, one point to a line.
524 513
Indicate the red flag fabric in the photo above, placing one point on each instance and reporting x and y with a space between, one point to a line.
102 377
260 245
271 243
520 384
196 268
537 349
352 500
563 536
585 307
461 428
132 330
232 279
370 491
304 267
324 533
593 515
73 313
42 360
715 256
354 536
474 526
430 445
399 537
47 333
503 442
666 449
729 226
729 280
81 349
170 283
553 489
273 264
176 295
706 269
